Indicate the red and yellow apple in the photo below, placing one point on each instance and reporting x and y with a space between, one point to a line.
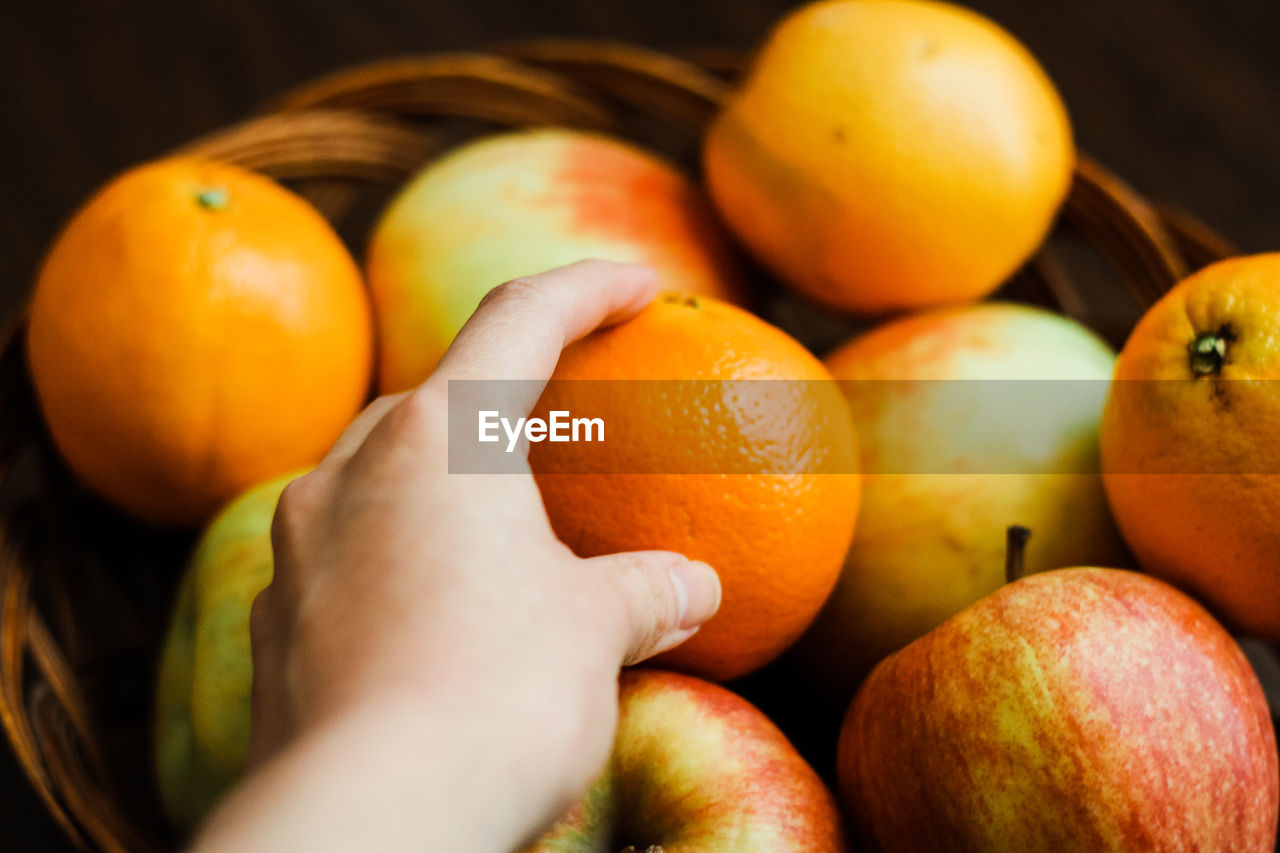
969 420
521 203
1075 710
696 767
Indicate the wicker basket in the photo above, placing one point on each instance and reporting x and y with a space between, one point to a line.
85 592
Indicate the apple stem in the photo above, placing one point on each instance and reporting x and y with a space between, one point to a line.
1015 552
652 848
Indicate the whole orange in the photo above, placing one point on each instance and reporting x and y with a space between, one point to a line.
891 154
707 453
1190 440
196 329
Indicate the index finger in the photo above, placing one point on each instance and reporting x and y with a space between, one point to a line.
518 331
520 327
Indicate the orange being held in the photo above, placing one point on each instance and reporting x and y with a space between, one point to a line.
726 441
891 154
1190 441
195 329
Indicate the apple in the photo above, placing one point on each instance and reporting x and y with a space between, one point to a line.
520 203
969 420
206 667
1083 709
696 767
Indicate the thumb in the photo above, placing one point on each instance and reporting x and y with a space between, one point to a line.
664 598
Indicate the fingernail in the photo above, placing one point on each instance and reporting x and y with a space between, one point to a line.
697 589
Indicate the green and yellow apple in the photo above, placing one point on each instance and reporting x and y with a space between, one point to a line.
1076 710
520 203
696 767
206 668
969 420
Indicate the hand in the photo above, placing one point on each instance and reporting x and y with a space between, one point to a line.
433 669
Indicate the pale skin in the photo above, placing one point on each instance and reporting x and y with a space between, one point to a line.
433 669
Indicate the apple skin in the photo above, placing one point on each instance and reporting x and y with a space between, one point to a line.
520 203
206 667
1081 709
696 767
960 438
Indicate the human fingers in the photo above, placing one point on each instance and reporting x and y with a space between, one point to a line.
521 326
663 597
358 430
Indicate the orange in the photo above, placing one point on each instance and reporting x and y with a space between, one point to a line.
757 478
196 329
891 154
1191 440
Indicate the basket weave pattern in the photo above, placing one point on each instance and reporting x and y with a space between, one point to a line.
84 592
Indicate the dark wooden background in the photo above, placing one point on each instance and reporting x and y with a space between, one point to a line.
1180 96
